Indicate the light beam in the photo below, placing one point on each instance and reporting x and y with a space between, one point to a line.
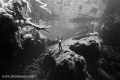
44 6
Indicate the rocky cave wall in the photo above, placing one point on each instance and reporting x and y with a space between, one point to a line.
85 57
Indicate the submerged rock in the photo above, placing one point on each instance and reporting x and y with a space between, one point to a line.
83 58
13 59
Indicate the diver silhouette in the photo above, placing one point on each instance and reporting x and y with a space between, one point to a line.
59 42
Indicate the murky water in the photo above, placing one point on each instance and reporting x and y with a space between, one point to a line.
68 16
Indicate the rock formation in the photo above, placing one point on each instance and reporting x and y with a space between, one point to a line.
25 51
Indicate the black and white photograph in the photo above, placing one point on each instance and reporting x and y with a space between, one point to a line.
59 39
